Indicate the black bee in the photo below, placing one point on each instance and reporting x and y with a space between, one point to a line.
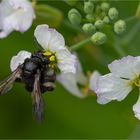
38 77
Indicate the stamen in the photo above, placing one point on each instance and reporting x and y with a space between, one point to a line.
47 53
52 58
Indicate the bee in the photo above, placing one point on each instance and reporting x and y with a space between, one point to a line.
38 76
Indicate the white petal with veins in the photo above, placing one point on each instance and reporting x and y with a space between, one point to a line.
49 38
19 59
127 67
111 87
15 15
66 61
68 80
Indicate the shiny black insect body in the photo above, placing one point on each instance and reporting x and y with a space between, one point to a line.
38 77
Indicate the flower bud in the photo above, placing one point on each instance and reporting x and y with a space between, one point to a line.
89 28
74 16
106 20
120 26
90 18
88 7
113 13
105 6
98 38
99 24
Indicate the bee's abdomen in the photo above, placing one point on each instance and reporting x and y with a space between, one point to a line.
47 80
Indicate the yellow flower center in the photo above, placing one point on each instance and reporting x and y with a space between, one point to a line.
51 56
135 82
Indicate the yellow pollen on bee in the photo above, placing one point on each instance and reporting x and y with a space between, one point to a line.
53 66
47 53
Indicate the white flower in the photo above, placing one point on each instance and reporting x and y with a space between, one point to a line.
15 15
19 59
53 42
125 73
70 81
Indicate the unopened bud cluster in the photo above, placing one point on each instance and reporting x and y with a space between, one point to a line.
97 15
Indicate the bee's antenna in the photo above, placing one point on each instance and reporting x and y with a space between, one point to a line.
37 44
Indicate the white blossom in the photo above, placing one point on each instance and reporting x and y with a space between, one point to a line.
125 74
52 41
15 15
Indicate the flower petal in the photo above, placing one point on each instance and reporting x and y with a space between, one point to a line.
93 80
66 61
69 82
136 109
49 38
111 87
127 67
80 77
15 15
19 59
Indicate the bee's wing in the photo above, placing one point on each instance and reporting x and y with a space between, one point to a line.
38 106
6 84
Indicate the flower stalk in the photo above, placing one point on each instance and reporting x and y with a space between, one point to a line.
118 48
80 44
131 34
138 11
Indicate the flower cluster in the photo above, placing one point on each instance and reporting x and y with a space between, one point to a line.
98 15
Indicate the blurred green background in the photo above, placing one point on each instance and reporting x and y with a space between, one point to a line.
68 116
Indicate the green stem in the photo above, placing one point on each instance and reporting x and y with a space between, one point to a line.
69 25
131 34
130 18
118 48
80 44
138 11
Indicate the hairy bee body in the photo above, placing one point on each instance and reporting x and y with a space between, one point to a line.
38 77
29 69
